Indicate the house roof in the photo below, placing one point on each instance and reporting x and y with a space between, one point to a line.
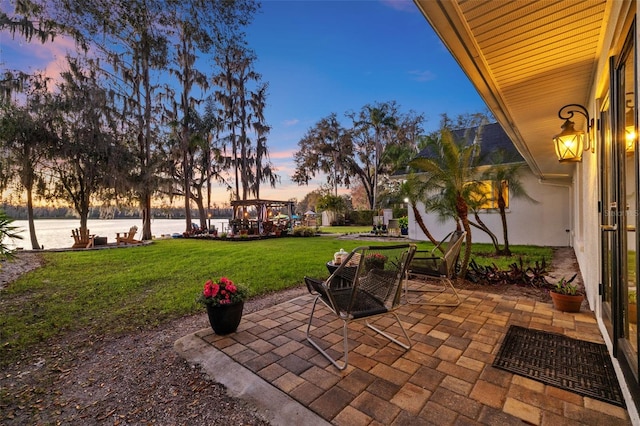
527 59
492 138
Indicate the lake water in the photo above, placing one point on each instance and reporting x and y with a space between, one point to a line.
56 233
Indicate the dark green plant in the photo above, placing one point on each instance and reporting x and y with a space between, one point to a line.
303 231
536 274
403 222
565 286
517 273
7 230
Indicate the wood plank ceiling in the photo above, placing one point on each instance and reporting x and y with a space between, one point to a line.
527 59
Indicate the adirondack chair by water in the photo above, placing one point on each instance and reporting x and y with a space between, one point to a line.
127 237
82 240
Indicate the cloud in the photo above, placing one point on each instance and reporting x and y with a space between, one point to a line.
402 5
50 57
422 75
288 154
289 123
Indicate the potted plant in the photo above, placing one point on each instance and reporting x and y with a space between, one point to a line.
403 222
566 296
632 297
374 261
224 302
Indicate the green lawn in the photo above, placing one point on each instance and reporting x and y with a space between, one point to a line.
107 292
345 229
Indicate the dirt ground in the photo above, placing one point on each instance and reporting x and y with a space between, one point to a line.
136 378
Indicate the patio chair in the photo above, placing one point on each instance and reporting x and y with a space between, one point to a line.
374 288
438 264
127 237
82 239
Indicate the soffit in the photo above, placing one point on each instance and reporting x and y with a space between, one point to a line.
527 59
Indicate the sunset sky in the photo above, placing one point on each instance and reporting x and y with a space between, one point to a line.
321 57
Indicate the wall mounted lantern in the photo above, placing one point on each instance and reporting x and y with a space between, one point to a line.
569 141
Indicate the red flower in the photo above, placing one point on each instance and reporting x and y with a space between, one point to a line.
223 292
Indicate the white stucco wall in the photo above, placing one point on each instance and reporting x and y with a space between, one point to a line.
547 223
587 231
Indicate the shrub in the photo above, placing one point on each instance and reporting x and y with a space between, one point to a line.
303 231
361 217
400 211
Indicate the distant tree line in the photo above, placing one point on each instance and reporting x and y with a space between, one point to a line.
46 212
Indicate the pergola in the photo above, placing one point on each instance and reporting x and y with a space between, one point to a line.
263 208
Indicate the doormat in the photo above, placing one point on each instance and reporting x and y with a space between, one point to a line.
574 365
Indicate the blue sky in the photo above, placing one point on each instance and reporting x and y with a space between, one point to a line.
321 57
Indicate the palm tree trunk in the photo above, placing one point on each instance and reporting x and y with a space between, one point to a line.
503 216
463 213
481 225
423 227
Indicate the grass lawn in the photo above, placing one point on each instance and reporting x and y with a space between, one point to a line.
345 229
106 292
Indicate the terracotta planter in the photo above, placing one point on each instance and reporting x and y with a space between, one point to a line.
225 319
565 302
633 313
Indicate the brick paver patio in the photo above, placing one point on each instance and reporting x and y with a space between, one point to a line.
445 378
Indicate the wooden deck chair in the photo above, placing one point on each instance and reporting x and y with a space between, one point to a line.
438 264
376 289
82 240
127 237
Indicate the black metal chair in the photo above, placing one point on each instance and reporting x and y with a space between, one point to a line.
374 288
438 264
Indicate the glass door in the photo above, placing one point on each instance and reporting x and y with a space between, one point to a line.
629 158
608 216
620 177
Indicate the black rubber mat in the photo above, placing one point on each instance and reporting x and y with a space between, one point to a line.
575 365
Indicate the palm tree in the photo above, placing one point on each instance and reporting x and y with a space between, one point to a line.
7 230
505 177
450 181
413 190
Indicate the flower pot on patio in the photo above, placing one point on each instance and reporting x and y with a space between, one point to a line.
224 302
225 319
566 302
566 296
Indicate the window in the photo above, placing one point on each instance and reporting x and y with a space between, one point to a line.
488 194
